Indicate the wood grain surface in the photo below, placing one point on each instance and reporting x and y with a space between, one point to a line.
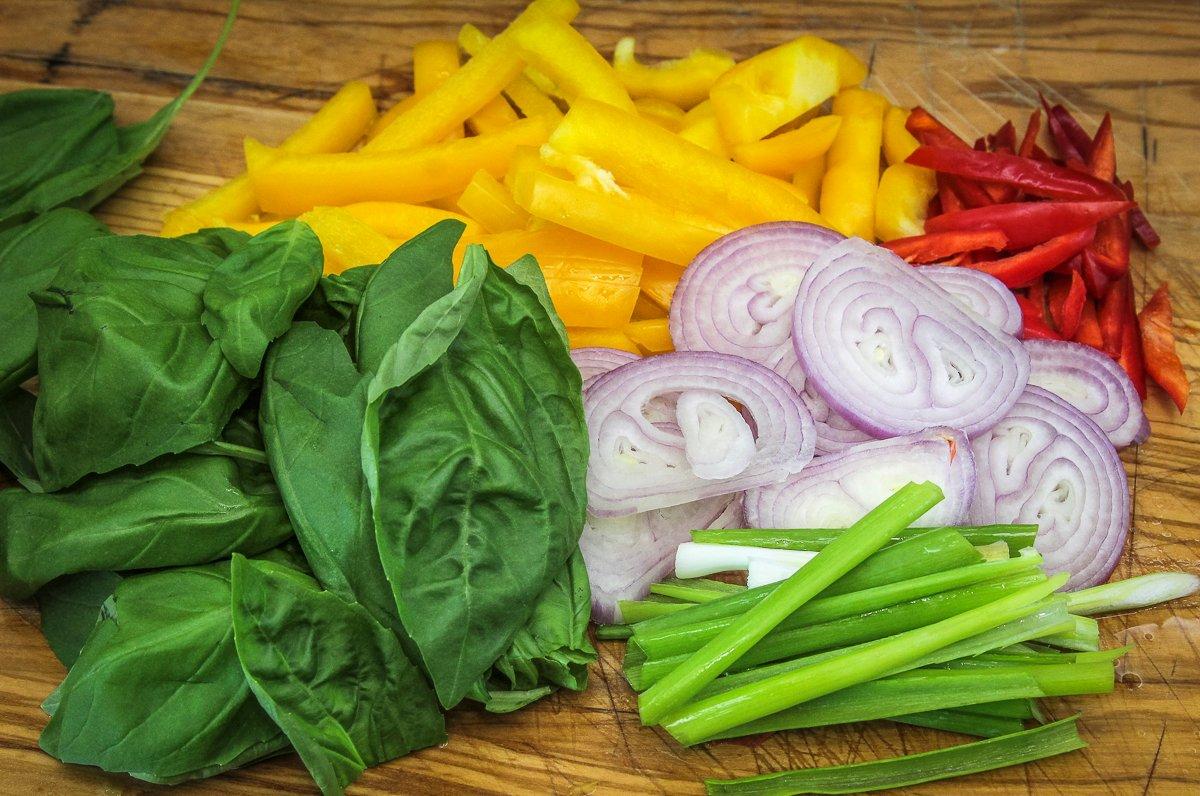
971 62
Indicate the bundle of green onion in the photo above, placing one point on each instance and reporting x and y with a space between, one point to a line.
929 627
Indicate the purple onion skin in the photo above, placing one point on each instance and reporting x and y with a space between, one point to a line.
638 457
737 297
982 295
626 555
1048 463
836 491
893 353
1094 384
596 361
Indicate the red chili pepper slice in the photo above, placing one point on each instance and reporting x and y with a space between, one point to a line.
1141 225
1048 180
1089 332
1094 276
1066 300
1158 342
1035 328
931 248
1122 335
1004 139
928 130
1068 135
1022 268
949 199
1102 162
1027 224
1029 140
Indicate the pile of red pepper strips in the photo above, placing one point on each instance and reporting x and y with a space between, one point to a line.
1056 230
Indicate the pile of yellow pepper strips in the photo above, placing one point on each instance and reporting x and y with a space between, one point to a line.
613 174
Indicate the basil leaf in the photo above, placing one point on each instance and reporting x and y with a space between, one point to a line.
335 680
157 691
221 241
175 511
475 451
30 256
94 159
70 608
129 370
252 295
16 437
336 299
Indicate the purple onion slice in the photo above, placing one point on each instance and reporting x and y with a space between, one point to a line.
894 353
737 297
1048 463
625 555
1094 384
642 460
836 491
983 296
596 361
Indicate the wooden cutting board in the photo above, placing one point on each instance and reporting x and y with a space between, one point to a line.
972 63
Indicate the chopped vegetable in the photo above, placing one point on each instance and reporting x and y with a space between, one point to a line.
780 155
1035 177
1133 593
852 164
1017 537
684 82
901 201
1162 361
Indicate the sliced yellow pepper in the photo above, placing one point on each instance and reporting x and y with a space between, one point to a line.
668 169
646 309
659 280
653 336
765 92
523 91
902 201
568 58
400 221
631 221
663 113
434 115
601 338
336 127
898 142
346 240
291 184
486 200
683 82
780 155
433 63
556 242
852 165
591 293
700 127
494 116
807 180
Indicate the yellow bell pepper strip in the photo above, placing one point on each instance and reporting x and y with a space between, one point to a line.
387 117
780 155
631 221
670 170
898 142
568 58
486 200
646 309
653 337
663 113
852 164
683 82
336 127
400 221
807 180
554 242
494 116
346 240
902 200
434 115
524 90
659 280
765 92
291 184
433 63
591 292
705 134
602 338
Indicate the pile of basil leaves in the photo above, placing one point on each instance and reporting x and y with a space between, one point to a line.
264 510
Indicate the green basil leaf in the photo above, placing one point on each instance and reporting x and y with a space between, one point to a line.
16 437
70 608
311 417
475 450
30 256
335 301
175 511
335 680
157 691
251 297
221 241
103 160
